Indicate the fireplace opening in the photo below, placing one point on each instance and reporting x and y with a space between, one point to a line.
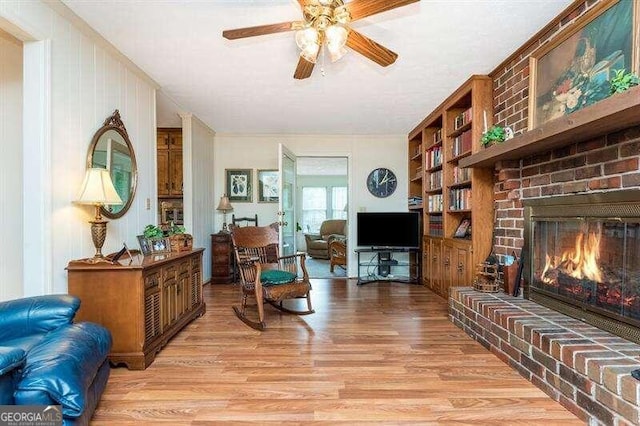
584 258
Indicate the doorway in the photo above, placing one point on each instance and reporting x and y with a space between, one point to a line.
322 195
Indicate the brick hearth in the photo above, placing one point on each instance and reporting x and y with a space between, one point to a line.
585 369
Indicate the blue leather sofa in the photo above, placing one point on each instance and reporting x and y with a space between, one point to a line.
46 359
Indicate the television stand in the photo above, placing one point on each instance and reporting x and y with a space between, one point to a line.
388 264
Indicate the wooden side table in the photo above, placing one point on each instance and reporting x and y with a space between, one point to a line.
221 258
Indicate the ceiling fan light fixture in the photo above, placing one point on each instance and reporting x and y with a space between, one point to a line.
326 26
336 55
336 39
336 36
306 37
310 52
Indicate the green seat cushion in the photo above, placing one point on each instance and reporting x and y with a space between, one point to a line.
276 276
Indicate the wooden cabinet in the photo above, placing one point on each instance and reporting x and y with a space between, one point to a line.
432 264
143 304
170 178
457 269
221 258
450 194
447 263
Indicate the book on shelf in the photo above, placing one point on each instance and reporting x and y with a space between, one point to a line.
435 226
462 119
435 204
415 201
435 180
462 143
434 157
460 199
437 136
461 174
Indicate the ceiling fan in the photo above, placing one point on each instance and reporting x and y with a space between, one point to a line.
326 23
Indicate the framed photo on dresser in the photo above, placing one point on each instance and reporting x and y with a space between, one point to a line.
145 248
160 245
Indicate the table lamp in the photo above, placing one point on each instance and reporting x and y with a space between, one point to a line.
97 189
225 207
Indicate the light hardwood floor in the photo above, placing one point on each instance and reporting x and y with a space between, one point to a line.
380 353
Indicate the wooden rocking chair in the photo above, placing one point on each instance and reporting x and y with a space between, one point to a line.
265 275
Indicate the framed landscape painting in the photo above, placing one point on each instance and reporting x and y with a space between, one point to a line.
268 190
573 70
239 185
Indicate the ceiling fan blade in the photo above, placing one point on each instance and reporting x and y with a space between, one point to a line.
304 69
370 49
359 9
259 30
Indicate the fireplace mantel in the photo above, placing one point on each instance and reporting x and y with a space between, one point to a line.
617 112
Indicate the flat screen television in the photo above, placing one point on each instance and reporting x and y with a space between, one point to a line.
394 230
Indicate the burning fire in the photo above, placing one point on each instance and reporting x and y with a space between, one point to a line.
580 262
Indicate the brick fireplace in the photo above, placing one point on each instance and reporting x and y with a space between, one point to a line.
585 368
581 365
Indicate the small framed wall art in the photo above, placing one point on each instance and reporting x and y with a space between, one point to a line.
268 188
239 186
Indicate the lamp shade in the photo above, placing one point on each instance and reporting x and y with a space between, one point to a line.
309 43
97 188
224 205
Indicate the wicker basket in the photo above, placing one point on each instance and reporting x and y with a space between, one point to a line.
181 242
487 279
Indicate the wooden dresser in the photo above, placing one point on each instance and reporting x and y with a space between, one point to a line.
221 258
143 304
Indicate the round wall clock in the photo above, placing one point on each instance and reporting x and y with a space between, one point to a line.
381 182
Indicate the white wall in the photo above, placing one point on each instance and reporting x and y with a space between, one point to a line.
364 153
11 286
83 80
199 197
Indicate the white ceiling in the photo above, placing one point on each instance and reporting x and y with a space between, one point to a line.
247 86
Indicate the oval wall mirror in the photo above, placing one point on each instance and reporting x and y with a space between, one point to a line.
111 149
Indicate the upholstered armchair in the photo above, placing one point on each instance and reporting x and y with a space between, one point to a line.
318 244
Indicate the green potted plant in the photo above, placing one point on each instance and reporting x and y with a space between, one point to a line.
623 81
153 232
179 239
176 229
496 134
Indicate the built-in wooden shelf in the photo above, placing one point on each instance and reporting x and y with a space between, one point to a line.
617 112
